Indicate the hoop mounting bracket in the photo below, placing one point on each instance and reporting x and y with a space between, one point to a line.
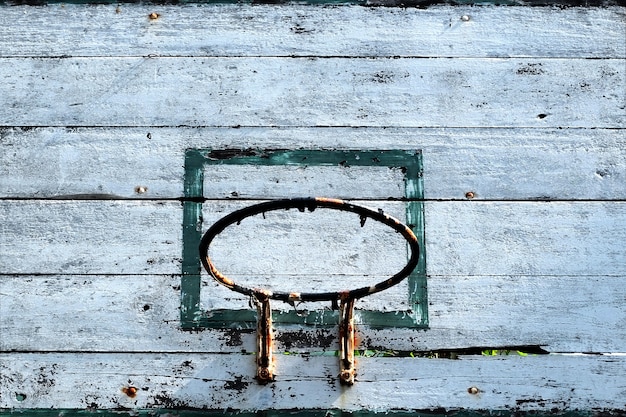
347 370
265 361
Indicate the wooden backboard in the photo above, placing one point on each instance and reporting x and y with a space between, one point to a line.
497 133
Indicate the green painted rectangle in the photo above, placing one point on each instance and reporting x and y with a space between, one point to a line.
410 163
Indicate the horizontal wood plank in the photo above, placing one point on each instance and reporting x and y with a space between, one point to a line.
528 239
462 238
504 164
188 380
91 237
405 92
240 30
141 314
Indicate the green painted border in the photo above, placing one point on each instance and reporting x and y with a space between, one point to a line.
41 412
410 161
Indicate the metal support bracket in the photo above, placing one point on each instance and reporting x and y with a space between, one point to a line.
346 342
264 361
265 364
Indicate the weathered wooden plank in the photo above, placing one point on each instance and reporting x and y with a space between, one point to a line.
111 237
131 237
506 164
141 314
188 380
269 91
462 238
316 412
528 239
239 30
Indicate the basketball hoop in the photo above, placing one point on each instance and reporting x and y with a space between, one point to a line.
265 366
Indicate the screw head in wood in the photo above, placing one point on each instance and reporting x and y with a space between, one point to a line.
130 391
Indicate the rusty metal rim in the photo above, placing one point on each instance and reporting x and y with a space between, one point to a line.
309 204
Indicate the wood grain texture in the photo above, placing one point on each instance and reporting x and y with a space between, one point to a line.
109 237
140 314
529 239
188 380
495 164
487 238
404 92
293 30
